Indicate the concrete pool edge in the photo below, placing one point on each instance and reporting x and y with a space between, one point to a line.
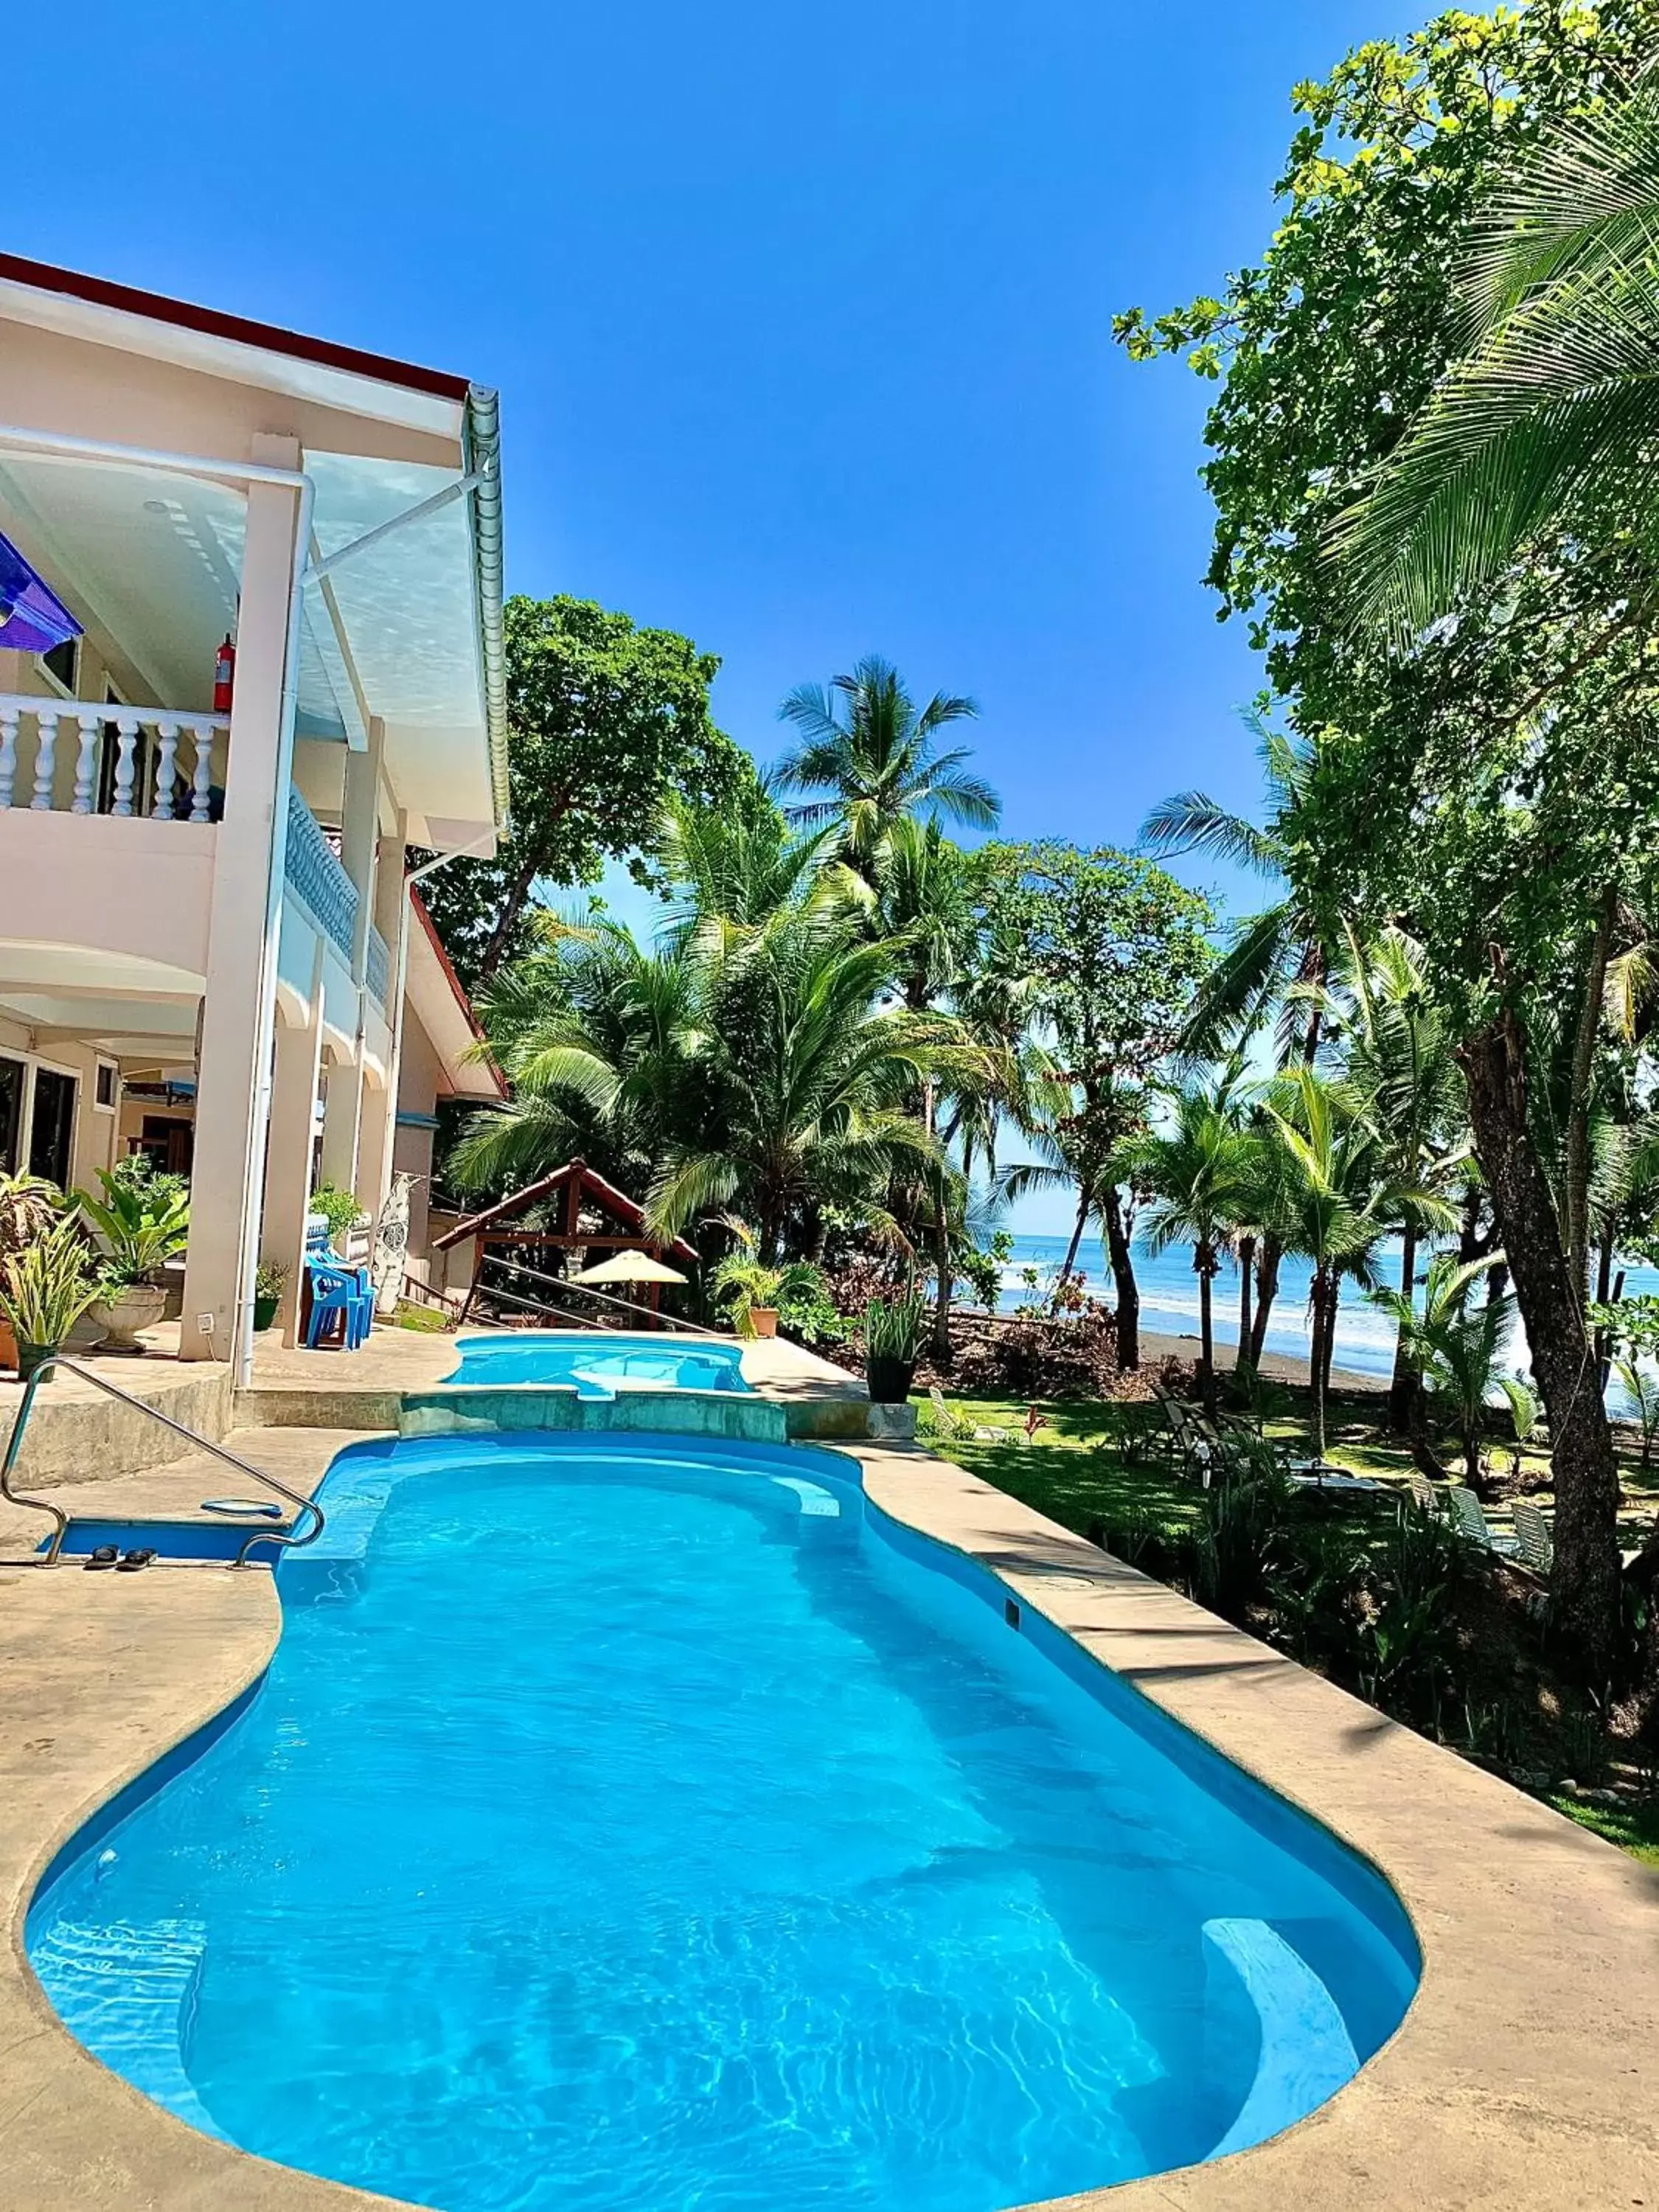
1518 2079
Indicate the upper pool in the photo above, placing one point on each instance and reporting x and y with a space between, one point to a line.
595 1362
631 1826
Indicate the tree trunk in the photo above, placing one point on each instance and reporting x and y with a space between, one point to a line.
1584 1587
1605 1295
1206 1325
512 907
1320 1294
1266 1290
1575 1179
1121 1260
943 1353
1246 1262
1083 1202
1333 1307
1404 1388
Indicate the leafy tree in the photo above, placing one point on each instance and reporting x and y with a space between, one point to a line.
606 720
1105 951
1441 799
865 744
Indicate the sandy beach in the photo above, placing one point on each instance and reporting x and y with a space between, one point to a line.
1277 1366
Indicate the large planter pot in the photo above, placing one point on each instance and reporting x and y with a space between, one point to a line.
30 1356
264 1311
135 1306
889 1380
763 1320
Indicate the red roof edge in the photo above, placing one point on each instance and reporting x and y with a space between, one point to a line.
418 905
128 299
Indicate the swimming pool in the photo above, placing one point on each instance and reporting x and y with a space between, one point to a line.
596 1362
626 1824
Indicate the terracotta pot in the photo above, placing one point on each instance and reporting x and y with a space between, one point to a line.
7 1346
135 1306
763 1320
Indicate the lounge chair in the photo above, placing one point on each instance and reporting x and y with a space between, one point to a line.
1422 1493
954 1425
1535 1547
1471 1522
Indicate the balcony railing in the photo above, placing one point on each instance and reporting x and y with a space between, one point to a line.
317 876
117 751
378 967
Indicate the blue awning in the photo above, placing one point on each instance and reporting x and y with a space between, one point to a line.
32 618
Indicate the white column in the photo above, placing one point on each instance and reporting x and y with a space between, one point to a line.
287 1151
229 1075
343 1106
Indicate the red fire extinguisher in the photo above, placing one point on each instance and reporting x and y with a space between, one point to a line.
224 678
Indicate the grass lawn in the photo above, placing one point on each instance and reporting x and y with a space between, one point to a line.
1074 1471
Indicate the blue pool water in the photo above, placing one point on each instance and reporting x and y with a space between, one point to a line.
596 1362
632 1827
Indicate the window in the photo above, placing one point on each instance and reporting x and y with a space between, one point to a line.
52 1126
12 1072
63 665
108 1083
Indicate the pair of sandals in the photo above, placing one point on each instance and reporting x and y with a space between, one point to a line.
125 1563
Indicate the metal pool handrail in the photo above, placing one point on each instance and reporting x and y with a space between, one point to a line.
296 1498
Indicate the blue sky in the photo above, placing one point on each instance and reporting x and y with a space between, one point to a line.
801 317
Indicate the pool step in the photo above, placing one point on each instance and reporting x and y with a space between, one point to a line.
127 1992
1306 2052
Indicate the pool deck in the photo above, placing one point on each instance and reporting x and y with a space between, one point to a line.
1525 2075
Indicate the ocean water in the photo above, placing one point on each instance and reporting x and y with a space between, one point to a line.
1168 1299
627 1826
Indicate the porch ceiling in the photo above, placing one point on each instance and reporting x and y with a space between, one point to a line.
153 559
126 1005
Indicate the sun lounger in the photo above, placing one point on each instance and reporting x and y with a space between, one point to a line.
1535 1547
1471 1522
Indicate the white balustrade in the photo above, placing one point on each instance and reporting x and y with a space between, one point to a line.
109 741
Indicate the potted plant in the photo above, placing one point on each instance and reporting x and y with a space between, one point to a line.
45 1290
269 1282
142 1223
892 1339
29 1207
340 1209
748 1291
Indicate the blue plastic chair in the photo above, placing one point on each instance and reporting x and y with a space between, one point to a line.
335 1291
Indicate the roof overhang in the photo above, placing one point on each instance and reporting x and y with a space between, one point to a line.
441 1007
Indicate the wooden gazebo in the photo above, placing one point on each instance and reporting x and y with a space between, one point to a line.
570 1192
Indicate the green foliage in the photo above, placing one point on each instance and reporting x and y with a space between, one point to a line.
29 1207
796 1292
143 1219
270 1281
893 1329
339 1209
46 1287
873 755
1456 1342
606 721
981 1267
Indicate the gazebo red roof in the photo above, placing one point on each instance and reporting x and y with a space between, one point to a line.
589 1184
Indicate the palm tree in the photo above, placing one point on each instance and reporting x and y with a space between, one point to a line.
589 1029
876 759
1457 1344
1554 409
807 1071
1195 1173
1335 1195
1401 1056
1282 946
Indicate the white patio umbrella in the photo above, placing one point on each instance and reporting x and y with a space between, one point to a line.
629 1268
